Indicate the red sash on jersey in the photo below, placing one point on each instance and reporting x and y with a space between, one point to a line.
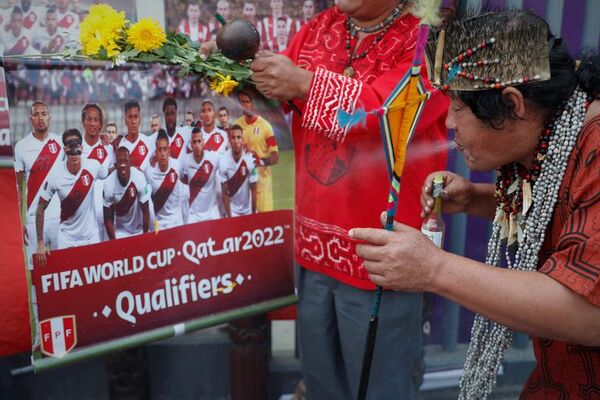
40 169
66 21
75 198
214 142
54 45
19 48
128 199
30 20
138 155
159 198
235 182
200 178
99 154
176 146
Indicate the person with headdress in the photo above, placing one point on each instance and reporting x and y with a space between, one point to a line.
528 110
348 57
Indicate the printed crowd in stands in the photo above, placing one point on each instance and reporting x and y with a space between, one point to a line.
275 28
91 184
34 29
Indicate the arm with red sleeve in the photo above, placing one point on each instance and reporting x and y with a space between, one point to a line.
331 91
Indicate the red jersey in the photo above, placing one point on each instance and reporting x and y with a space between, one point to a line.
341 176
571 256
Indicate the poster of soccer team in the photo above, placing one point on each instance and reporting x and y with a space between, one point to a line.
147 199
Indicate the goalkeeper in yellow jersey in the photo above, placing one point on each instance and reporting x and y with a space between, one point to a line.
259 140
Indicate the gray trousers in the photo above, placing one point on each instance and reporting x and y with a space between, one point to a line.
332 326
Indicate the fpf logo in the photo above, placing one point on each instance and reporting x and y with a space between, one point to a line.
59 335
86 180
53 148
100 153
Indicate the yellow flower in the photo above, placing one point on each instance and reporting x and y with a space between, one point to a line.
103 27
146 35
223 84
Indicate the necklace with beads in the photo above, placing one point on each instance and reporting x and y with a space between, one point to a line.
352 31
514 187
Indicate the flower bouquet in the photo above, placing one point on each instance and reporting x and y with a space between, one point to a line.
106 34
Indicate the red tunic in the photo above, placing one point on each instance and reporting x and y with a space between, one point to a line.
341 177
571 255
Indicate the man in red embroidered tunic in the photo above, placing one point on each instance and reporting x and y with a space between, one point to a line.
73 182
341 181
35 157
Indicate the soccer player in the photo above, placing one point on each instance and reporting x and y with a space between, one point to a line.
67 19
189 118
224 9
109 134
73 182
169 193
270 22
15 39
223 118
249 13
259 139
215 139
280 41
138 145
92 118
126 199
200 170
238 177
48 38
179 136
154 124
191 26
35 156
308 12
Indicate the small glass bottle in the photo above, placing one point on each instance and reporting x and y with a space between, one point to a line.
434 226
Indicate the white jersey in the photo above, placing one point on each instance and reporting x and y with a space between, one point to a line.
32 18
78 223
68 22
215 140
178 143
140 151
46 42
36 158
127 201
17 45
203 182
239 175
169 195
105 155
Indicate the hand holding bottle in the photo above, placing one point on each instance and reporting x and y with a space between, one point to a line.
456 194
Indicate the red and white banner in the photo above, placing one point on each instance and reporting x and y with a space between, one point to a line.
117 288
5 144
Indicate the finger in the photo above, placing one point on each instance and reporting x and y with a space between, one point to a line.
374 267
397 227
258 65
379 280
371 235
369 252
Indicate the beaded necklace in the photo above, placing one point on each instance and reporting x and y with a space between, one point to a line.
352 31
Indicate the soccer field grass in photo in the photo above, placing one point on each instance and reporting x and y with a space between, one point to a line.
283 181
